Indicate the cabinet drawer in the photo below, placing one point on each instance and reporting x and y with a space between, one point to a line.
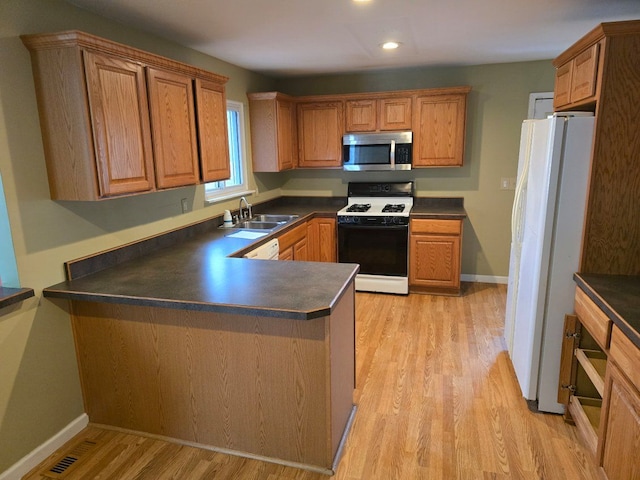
593 319
626 355
291 237
437 227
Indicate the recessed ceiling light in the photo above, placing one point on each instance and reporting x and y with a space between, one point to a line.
361 1
390 45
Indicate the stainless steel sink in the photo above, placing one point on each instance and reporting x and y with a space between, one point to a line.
264 222
266 217
257 225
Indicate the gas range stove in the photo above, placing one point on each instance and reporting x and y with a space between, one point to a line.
378 203
373 231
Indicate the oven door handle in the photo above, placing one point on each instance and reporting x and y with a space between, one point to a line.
386 227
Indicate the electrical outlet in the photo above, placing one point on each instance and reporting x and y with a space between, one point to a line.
507 183
185 205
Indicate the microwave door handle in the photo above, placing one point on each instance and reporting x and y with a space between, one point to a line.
393 154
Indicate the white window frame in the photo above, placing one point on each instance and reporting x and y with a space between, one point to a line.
213 194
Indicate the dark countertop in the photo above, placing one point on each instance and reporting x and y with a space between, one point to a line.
439 208
618 296
193 268
9 296
198 274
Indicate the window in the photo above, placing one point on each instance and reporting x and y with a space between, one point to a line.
237 184
8 267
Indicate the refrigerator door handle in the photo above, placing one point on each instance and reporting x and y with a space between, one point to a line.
520 194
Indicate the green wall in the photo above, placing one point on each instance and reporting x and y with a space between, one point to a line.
39 386
39 389
497 104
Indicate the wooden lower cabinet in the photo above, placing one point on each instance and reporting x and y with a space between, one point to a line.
314 241
600 383
252 385
435 256
620 436
321 236
293 244
582 387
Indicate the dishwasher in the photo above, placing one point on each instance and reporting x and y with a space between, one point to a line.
268 251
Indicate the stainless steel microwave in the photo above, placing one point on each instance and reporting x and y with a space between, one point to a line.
377 151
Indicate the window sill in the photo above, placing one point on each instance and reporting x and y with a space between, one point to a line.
9 296
228 196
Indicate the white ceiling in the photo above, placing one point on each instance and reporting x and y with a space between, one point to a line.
297 37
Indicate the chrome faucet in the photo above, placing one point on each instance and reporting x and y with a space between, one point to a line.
240 214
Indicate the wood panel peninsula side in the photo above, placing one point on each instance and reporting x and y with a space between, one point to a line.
248 357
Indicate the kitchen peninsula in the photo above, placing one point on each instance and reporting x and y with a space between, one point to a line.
187 343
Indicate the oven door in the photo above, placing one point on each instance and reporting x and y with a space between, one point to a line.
379 249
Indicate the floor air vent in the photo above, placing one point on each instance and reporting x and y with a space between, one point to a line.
71 458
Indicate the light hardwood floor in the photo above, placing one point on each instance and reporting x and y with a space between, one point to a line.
437 399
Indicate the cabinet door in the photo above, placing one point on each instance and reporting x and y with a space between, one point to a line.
622 427
327 243
361 115
300 252
562 89
435 261
174 128
119 116
213 138
287 152
321 238
583 78
395 113
320 127
286 254
439 126
576 80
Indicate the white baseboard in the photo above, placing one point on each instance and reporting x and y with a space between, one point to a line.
31 460
481 279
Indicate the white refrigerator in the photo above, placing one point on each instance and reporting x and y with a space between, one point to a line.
547 223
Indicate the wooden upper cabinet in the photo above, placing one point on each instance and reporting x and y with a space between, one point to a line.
620 433
173 126
320 130
383 114
605 80
395 113
117 96
439 130
119 121
274 145
213 137
435 116
361 115
576 80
